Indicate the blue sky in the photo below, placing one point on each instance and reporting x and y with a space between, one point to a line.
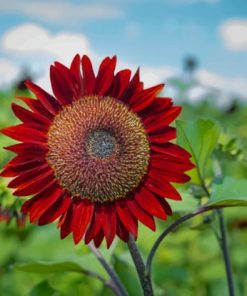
154 34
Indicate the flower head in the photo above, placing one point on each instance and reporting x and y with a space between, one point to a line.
96 155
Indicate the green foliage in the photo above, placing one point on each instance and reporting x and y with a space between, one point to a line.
42 289
50 267
231 192
181 266
199 137
188 204
124 267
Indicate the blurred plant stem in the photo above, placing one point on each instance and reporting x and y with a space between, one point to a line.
169 229
224 248
115 282
144 277
181 220
108 283
222 237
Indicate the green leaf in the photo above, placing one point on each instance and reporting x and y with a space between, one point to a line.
231 192
49 267
199 137
187 204
42 288
124 267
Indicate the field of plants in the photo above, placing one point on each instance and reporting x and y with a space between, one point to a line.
35 261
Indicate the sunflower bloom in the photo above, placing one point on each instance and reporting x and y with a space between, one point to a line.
96 155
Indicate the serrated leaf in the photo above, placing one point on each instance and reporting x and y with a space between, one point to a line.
231 192
49 267
199 137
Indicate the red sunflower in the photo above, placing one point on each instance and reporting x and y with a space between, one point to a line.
96 155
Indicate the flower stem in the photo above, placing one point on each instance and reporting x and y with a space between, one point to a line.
169 229
140 267
223 234
108 283
115 282
225 252
223 244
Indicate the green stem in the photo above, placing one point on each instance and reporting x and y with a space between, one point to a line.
169 229
140 267
108 283
115 282
225 252
223 234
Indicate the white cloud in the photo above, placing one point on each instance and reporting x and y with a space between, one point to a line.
234 34
197 93
31 39
211 79
8 72
37 48
61 10
156 75
227 86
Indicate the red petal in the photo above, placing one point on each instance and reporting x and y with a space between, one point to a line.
109 221
164 162
47 193
133 88
145 98
43 202
170 176
158 107
22 158
36 107
168 133
43 183
171 149
150 203
142 216
28 148
98 238
82 215
126 217
165 205
66 222
162 188
75 69
56 210
47 100
30 177
160 123
95 226
23 133
122 232
27 116
60 87
105 75
69 81
119 84
12 171
88 75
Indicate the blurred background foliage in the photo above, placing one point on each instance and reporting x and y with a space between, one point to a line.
189 261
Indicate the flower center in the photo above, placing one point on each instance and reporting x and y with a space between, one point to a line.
98 149
101 143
